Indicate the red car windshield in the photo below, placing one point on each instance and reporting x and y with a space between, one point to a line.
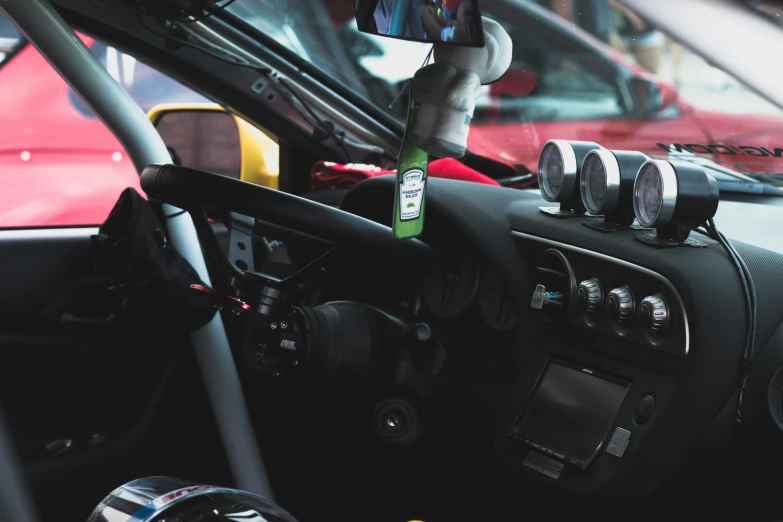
587 70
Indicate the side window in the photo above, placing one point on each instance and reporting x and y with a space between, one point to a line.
147 86
552 78
61 166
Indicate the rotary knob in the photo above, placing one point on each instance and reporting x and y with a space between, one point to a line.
620 304
589 296
654 313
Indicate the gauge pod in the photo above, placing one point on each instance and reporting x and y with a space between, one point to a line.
558 175
674 198
606 186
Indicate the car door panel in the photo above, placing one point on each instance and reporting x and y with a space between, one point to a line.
92 402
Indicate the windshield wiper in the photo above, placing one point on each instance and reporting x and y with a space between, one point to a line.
757 188
728 180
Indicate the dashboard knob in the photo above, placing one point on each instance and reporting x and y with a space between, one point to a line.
654 313
620 304
589 296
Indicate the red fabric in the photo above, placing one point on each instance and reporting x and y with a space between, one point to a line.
452 169
326 175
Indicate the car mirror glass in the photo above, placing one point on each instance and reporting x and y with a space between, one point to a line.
204 140
452 22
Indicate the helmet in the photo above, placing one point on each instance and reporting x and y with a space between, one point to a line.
159 499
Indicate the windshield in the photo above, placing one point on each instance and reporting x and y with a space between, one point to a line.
589 70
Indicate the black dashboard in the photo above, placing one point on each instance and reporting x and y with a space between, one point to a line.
605 403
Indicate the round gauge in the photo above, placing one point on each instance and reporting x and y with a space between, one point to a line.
495 303
655 193
600 181
648 194
451 286
556 170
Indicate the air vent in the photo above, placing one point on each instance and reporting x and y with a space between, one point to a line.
554 272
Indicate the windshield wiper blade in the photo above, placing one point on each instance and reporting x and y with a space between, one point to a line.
757 188
728 179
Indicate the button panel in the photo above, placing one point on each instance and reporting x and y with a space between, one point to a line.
626 285
619 442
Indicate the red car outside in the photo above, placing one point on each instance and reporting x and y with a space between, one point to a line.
566 84
61 166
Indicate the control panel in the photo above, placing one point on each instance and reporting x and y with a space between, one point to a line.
605 295
579 418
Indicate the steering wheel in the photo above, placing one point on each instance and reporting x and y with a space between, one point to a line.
401 359
353 235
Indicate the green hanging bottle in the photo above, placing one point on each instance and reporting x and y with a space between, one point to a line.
411 186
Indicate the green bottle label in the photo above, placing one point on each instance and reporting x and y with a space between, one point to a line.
411 187
411 194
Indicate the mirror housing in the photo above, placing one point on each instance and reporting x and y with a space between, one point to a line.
207 137
653 96
669 95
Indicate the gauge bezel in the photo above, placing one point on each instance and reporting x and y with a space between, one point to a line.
449 253
612 176
669 193
568 156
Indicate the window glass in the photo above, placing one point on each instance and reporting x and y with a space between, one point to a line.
61 166
10 39
146 86
590 70
550 79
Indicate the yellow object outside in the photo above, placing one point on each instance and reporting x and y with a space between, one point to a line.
260 162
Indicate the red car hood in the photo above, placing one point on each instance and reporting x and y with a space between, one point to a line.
62 187
742 129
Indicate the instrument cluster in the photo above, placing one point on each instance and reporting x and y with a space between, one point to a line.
460 280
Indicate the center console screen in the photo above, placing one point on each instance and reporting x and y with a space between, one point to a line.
571 413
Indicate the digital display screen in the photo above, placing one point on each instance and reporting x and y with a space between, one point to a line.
571 413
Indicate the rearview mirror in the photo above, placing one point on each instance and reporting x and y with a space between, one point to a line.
456 22
207 137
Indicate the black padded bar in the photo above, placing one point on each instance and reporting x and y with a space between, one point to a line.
185 188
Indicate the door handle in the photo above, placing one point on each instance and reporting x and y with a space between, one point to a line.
89 300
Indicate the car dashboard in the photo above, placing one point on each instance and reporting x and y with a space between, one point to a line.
602 401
